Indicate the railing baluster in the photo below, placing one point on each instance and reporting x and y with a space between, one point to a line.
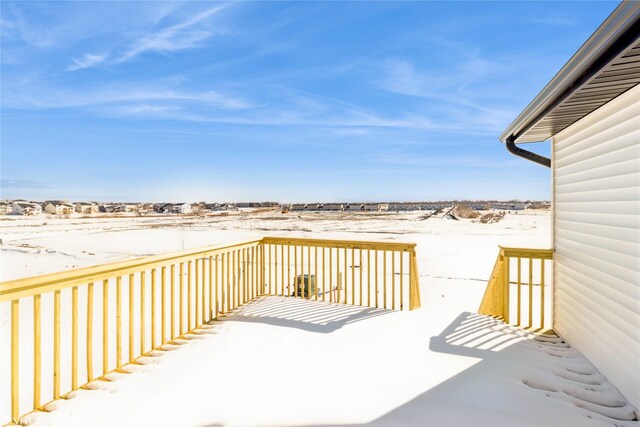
15 360
189 294
90 332
542 293
143 303
203 300
507 286
401 280
255 253
163 304
345 284
105 326
172 316
315 269
153 307
393 280
368 277
289 270
377 274
228 306
74 346
197 292
215 299
37 342
118 322
300 284
181 300
338 276
262 269
228 284
330 274
519 309
244 276
211 295
248 275
530 292
56 344
282 279
324 271
384 278
295 271
270 253
353 277
360 269
131 318
143 276
308 274
236 278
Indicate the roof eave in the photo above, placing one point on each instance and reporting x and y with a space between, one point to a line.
622 19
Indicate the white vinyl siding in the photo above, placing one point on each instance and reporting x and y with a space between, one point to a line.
596 192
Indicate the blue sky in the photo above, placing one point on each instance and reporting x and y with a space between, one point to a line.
303 101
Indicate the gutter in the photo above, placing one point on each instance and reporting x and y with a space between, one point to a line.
536 158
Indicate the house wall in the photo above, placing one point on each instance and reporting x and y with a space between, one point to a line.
596 185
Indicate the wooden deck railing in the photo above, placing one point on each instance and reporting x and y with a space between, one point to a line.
517 290
370 274
148 302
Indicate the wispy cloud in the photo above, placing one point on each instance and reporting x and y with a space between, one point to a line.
187 34
175 37
87 61
6 184
556 20
31 33
33 97
439 161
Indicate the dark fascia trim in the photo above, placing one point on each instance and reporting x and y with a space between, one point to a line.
611 38
536 158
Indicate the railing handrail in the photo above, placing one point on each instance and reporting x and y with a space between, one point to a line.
348 244
29 286
526 252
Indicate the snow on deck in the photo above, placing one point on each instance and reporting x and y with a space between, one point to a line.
287 362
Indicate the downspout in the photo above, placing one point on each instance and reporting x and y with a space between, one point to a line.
536 158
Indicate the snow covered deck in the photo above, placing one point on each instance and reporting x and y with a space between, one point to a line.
289 362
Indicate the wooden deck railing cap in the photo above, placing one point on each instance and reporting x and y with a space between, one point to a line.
29 286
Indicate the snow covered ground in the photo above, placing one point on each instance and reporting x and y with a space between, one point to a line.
284 362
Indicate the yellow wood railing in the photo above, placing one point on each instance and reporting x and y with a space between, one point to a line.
148 302
517 290
370 274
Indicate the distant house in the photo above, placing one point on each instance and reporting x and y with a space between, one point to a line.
57 207
590 111
178 208
185 208
5 208
331 206
87 208
508 206
21 207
